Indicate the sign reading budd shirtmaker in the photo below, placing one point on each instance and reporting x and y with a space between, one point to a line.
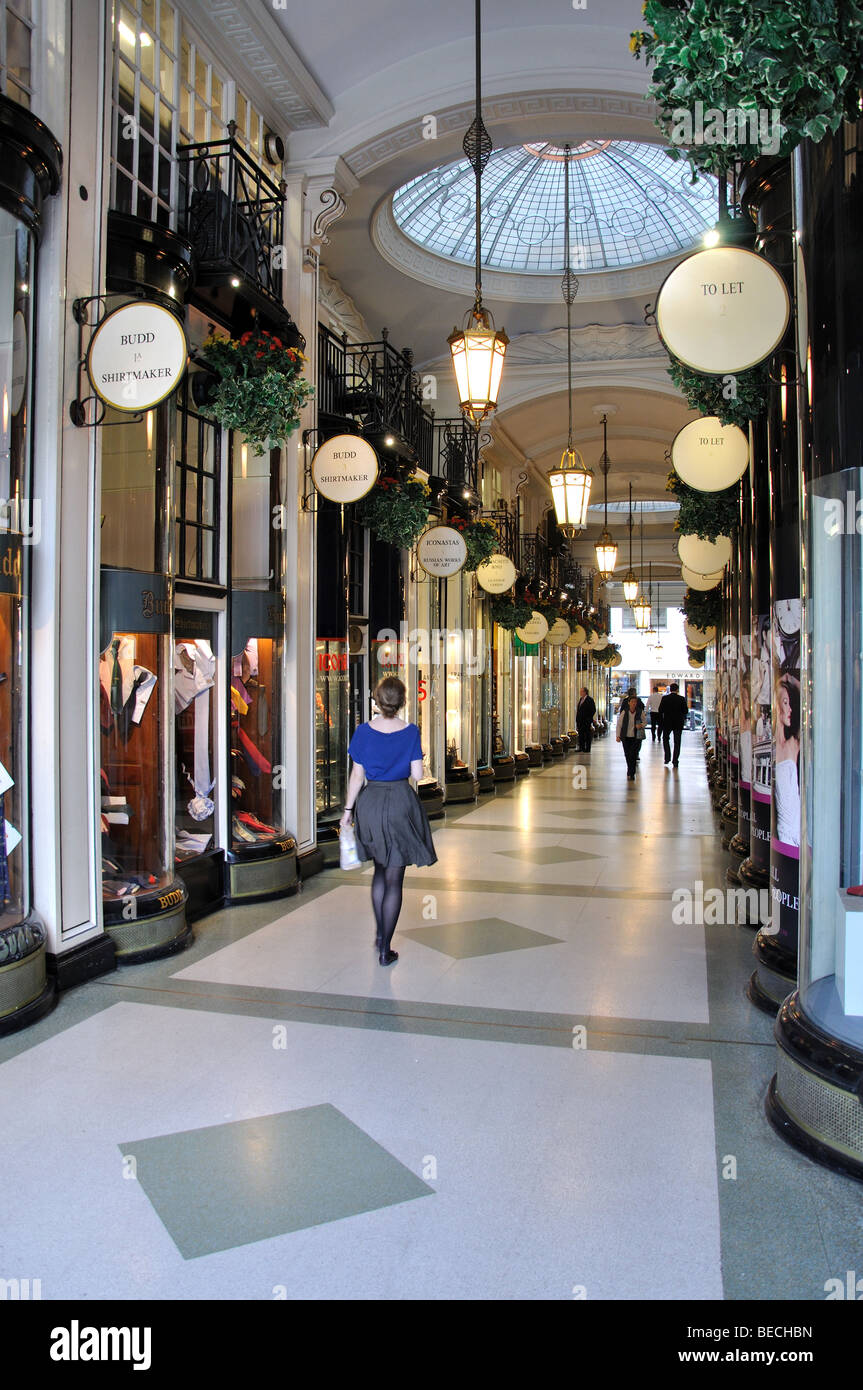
441 551
344 468
722 310
137 356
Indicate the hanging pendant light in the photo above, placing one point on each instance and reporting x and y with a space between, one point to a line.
570 483
658 650
630 583
478 349
606 547
641 607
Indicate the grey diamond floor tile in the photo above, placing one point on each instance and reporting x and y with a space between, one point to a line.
232 1184
548 854
487 936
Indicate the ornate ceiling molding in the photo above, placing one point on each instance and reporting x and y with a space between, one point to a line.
509 286
245 35
602 107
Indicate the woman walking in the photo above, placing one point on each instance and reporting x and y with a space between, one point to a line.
630 731
391 825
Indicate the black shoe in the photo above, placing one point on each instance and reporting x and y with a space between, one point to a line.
666 761
389 959
674 764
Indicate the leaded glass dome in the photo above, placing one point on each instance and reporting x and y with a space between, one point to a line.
629 204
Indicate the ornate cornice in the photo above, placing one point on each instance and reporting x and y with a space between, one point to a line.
336 305
509 286
600 106
244 34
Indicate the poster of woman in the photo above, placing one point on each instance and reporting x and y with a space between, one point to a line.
786 724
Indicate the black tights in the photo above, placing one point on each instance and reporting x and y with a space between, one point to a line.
387 900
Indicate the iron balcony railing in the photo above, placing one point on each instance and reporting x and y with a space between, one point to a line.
456 455
232 213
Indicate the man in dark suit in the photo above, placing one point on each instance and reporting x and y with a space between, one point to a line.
584 716
673 712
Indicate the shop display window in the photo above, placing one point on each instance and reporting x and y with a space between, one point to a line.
503 675
195 683
19 523
332 711
457 651
527 695
817 756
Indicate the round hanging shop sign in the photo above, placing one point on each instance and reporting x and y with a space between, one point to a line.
137 356
702 582
344 468
601 644
705 557
722 310
698 637
441 551
533 631
558 633
617 659
496 574
578 637
708 455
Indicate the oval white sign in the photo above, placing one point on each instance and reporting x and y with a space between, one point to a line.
722 310
533 631
702 582
344 468
710 456
496 574
558 633
698 637
616 660
705 557
578 636
441 551
137 356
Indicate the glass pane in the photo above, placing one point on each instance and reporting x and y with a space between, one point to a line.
148 14
208 494
166 25
200 77
166 76
190 505
147 110
126 85
185 114
186 62
16 93
217 98
127 28
166 123
144 204
164 188
242 112
201 131
122 192
148 57
207 553
256 697
18 49
129 495
145 163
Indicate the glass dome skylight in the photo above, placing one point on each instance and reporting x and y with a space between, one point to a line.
629 204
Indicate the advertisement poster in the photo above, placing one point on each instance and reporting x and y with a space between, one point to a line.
785 843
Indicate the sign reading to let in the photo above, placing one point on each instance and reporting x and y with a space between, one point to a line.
137 356
722 310
344 468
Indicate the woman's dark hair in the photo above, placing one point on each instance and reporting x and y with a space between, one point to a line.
790 684
390 695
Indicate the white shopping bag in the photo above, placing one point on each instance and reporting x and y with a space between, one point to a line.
348 856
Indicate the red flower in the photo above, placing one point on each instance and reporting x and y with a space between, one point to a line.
259 354
246 338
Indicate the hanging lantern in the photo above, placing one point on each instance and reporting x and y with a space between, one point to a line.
630 587
478 354
570 491
478 350
606 548
641 613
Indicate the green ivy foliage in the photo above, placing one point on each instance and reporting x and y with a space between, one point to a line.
261 388
802 58
510 612
702 607
480 537
395 511
734 399
703 514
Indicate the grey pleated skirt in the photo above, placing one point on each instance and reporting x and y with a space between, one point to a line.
391 826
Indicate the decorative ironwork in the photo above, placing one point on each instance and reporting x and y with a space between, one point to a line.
232 213
456 454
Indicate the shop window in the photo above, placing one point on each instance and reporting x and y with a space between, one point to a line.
250 126
16 43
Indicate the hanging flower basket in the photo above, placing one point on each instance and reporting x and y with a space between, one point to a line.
261 390
704 514
702 607
396 511
734 399
480 537
800 62
510 612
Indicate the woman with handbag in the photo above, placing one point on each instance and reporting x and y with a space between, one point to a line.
391 825
631 726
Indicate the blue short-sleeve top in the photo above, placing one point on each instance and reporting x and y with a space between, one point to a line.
386 757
